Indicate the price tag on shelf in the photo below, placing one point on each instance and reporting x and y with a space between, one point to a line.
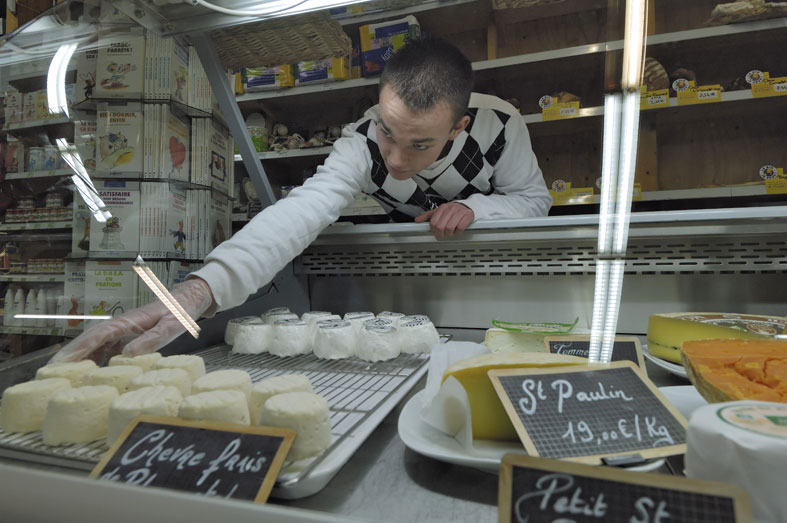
587 413
540 490
560 111
690 94
551 109
636 193
624 348
209 458
775 184
563 194
763 86
653 99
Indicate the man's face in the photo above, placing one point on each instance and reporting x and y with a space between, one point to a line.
411 142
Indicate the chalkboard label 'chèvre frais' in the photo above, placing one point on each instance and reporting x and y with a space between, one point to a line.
588 412
209 458
537 490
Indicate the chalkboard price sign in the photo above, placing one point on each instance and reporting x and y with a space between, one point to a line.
588 412
537 490
624 348
209 458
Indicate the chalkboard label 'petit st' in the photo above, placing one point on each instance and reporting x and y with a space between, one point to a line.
585 413
209 458
537 490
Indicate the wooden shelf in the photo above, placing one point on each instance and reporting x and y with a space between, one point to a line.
555 54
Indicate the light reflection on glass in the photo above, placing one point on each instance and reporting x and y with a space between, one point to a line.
82 181
161 292
619 160
56 80
61 317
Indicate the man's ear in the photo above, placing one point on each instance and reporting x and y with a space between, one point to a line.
459 127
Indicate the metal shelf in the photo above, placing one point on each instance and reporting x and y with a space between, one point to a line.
35 226
33 331
745 220
39 174
35 124
36 278
295 153
306 89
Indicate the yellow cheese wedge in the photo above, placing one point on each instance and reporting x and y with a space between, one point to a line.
490 420
666 332
499 340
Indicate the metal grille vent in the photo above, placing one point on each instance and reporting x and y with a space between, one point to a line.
742 255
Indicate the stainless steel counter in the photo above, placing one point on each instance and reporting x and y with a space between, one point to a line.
387 482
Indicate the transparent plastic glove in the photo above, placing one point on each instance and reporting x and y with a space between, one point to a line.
139 331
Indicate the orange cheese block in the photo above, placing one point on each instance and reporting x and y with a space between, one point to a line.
731 370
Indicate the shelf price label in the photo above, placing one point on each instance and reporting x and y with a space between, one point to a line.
536 490
690 94
653 99
208 458
587 413
551 109
563 194
636 192
775 179
763 86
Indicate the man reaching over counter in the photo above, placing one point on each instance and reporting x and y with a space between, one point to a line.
431 150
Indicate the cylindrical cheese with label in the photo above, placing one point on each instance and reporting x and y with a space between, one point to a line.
742 442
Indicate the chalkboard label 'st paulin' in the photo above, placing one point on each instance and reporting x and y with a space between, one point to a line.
586 412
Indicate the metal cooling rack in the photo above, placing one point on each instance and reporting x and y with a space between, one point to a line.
359 393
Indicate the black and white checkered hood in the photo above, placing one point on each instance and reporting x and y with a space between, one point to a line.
467 168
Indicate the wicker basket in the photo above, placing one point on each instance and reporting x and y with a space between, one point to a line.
511 4
286 40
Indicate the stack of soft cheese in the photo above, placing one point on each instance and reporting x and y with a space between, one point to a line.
329 336
83 403
288 401
77 402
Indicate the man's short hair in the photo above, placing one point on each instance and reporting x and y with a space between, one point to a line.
428 71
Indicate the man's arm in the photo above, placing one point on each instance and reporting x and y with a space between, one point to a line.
253 256
520 190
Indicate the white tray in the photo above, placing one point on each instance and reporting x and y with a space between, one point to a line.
360 395
486 455
672 368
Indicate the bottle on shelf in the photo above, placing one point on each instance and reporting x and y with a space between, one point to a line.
51 305
19 305
31 303
8 308
39 308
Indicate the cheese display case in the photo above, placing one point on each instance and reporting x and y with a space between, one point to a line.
138 136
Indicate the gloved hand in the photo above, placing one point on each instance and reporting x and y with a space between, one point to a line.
139 331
